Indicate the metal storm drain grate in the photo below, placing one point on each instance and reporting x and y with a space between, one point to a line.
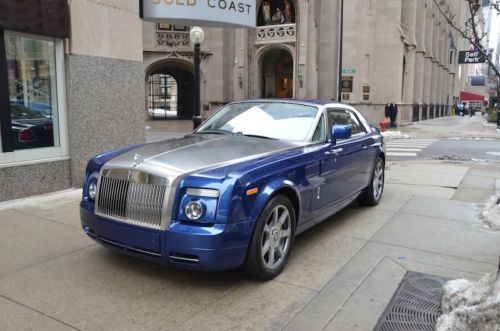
415 305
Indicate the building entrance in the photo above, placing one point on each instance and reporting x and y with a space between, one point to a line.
277 75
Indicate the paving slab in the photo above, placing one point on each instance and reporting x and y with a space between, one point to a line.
253 306
26 240
364 307
99 289
423 190
442 236
61 207
14 316
314 265
319 311
442 208
424 178
428 167
478 182
393 200
356 222
473 195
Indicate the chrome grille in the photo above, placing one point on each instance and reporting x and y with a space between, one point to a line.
132 197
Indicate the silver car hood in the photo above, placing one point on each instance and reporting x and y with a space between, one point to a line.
195 152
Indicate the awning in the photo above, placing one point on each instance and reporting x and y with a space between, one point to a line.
467 96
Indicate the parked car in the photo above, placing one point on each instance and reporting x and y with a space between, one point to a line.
237 190
30 128
40 107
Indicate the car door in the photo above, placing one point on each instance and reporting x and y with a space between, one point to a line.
345 171
314 192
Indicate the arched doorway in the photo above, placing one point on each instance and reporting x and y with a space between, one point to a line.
170 91
277 74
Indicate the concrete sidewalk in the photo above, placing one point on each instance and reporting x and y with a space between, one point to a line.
341 274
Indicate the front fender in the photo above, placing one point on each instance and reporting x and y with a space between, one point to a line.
267 191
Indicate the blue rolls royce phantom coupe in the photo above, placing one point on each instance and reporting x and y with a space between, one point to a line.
237 190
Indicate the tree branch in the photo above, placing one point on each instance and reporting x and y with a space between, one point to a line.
472 34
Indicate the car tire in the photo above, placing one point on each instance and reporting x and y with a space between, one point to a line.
372 194
272 239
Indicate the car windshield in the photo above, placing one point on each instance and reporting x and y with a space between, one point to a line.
274 120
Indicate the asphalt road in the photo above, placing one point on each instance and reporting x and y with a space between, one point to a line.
453 149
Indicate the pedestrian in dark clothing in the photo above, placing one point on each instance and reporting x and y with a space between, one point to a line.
387 112
393 114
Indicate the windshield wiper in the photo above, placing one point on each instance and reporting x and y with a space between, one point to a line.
255 136
220 131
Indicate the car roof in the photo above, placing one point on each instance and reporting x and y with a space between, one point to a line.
315 102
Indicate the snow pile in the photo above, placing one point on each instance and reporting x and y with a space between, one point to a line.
394 135
469 305
490 215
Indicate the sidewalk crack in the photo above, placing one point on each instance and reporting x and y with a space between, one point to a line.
39 312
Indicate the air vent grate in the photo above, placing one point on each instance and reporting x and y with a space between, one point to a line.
415 305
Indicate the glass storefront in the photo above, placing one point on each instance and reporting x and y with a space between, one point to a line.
35 106
32 87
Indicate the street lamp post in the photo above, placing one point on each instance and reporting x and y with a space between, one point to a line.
341 46
197 36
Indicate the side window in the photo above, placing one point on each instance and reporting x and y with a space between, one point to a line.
355 125
344 117
319 133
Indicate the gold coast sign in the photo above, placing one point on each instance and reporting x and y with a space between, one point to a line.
214 13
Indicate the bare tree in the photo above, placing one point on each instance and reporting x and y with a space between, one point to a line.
472 31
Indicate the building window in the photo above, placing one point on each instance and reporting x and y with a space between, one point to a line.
35 82
275 12
172 27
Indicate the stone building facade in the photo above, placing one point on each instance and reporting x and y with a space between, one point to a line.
92 72
394 50
77 68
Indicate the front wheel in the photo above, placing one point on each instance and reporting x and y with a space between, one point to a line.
372 194
272 240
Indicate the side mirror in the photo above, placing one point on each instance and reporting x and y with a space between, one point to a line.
340 132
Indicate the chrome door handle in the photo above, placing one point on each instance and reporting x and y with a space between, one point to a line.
335 152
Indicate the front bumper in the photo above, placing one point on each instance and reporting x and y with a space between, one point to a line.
208 248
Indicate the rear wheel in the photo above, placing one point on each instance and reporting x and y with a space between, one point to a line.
272 239
373 192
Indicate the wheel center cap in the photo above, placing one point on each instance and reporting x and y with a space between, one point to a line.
275 235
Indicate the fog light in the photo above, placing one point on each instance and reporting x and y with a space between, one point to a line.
194 210
92 190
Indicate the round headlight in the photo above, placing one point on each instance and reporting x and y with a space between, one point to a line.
194 210
92 190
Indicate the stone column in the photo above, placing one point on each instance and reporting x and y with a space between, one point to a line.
328 44
409 12
429 26
435 60
310 89
301 49
420 26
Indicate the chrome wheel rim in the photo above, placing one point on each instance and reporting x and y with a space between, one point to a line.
275 242
378 181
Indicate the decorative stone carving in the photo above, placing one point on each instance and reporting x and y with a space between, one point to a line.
173 39
284 33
